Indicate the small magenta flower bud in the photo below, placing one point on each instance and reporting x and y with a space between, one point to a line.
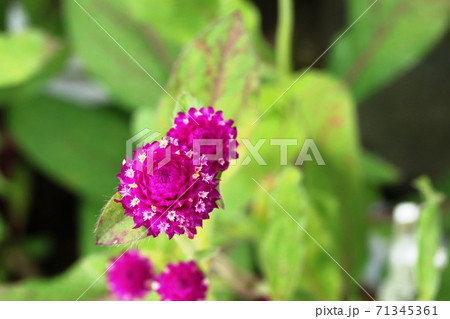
130 276
182 282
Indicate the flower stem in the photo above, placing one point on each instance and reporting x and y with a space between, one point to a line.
283 45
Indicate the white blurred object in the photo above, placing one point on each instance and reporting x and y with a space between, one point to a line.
16 17
404 251
441 258
400 283
378 248
406 213
73 86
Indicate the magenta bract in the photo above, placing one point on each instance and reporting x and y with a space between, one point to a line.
200 126
182 282
130 276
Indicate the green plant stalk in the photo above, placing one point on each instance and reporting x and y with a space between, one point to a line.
283 43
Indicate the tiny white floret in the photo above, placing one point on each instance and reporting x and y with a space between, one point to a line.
134 201
129 173
171 215
203 194
142 157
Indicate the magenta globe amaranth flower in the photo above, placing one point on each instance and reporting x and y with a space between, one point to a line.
130 275
207 133
164 191
182 282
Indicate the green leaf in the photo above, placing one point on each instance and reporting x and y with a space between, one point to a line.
80 148
182 28
197 14
318 215
68 286
251 16
282 121
282 248
242 256
321 108
23 55
444 290
141 27
237 190
328 113
219 68
324 111
114 227
107 60
378 171
206 254
429 234
328 283
389 39
221 203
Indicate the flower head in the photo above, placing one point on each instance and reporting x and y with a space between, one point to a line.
182 282
130 276
164 191
207 133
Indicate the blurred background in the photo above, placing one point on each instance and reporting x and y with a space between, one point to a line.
69 98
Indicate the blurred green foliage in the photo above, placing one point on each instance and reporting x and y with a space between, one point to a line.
390 39
429 236
155 58
283 247
77 278
23 55
78 147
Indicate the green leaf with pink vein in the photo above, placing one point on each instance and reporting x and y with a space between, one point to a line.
116 228
218 68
